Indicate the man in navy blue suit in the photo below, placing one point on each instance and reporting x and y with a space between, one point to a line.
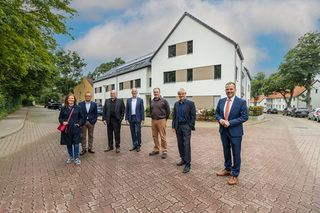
90 112
183 121
231 113
135 116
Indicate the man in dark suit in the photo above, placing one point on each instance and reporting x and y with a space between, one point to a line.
113 112
231 113
90 112
183 121
135 116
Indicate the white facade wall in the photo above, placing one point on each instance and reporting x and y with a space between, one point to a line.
315 95
208 49
261 103
143 91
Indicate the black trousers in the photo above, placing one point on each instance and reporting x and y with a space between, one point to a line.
183 134
114 127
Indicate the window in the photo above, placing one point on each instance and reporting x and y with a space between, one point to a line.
84 86
190 47
150 82
169 77
189 75
98 89
107 88
138 83
79 93
172 51
131 84
316 91
217 71
121 86
112 87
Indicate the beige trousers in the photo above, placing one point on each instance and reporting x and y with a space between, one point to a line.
87 127
159 127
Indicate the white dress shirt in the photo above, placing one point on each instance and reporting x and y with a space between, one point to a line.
133 106
230 105
88 107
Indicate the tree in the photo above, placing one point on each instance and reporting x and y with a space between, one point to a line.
27 40
303 62
256 86
70 66
281 83
105 67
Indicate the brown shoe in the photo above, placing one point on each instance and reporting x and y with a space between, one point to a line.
233 180
91 151
108 149
224 173
83 152
117 150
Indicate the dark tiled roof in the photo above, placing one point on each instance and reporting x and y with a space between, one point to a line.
130 66
248 73
205 25
89 80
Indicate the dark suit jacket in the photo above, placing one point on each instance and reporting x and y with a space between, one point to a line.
72 136
238 114
189 113
93 112
119 110
139 110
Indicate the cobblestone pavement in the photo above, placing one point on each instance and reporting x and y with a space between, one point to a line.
280 171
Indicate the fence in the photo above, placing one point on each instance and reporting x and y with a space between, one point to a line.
9 104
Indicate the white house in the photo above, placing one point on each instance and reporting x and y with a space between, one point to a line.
277 101
136 73
193 56
262 101
198 58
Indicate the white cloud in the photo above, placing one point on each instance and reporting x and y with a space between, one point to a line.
142 28
101 5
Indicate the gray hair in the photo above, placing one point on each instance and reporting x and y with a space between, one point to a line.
182 90
229 83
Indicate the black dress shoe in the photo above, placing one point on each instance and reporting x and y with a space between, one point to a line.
133 148
138 149
164 156
187 168
153 153
181 163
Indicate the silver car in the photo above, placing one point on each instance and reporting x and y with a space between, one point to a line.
313 114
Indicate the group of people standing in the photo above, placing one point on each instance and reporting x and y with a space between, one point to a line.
80 119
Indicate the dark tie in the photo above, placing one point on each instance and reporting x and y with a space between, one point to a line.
227 110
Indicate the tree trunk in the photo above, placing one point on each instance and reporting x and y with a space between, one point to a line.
308 98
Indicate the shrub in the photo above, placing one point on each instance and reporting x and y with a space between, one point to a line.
206 115
256 110
148 111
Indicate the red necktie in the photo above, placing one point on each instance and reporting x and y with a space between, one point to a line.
227 110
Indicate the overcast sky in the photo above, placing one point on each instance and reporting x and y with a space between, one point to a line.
265 29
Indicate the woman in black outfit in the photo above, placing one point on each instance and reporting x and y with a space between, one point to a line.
72 135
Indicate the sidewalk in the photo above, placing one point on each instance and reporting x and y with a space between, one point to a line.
13 122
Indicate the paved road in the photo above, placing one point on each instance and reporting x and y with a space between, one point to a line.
280 171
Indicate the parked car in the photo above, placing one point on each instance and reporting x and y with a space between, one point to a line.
265 110
54 105
99 108
272 111
287 111
300 112
313 114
